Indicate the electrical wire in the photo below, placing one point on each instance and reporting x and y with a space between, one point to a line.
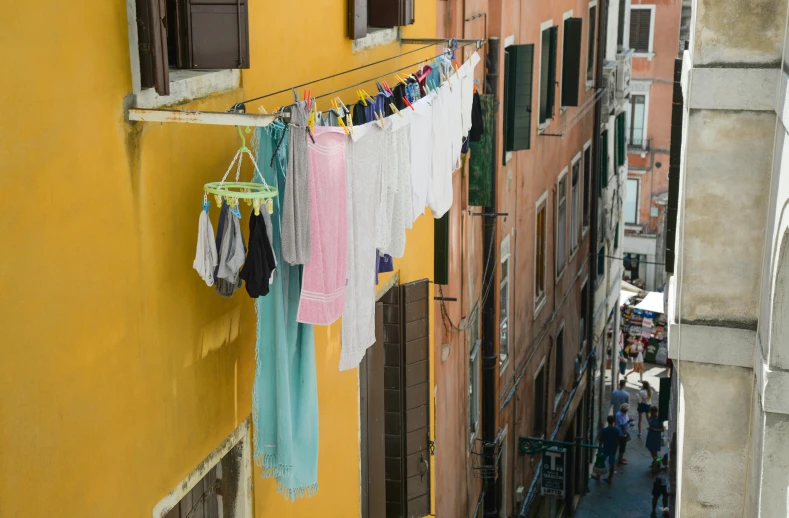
639 261
336 75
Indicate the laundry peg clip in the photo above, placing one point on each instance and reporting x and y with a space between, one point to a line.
256 206
234 208
394 109
341 123
270 206
408 103
206 204
218 200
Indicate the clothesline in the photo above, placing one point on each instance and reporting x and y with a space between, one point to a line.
331 76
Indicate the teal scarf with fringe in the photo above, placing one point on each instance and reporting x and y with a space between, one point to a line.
285 394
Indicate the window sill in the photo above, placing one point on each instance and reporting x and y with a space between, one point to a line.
543 126
561 272
538 305
190 85
573 252
648 55
589 85
375 38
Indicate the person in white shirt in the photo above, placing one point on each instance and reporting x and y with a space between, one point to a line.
637 351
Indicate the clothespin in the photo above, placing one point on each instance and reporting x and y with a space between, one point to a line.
206 205
256 206
394 109
341 123
262 109
380 118
270 205
218 200
364 92
234 208
361 97
349 122
408 103
475 86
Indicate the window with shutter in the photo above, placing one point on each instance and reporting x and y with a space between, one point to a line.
372 417
538 404
441 250
620 139
571 61
547 72
603 166
190 34
407 400
519 65
620 28
600 263
591 44
587 165
640 29
554 35
390 13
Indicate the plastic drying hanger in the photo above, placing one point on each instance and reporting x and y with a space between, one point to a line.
254 194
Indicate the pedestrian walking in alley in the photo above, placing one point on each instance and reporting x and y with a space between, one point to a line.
609 439
637 353
660 488
654 433
623 421
644 404
619 396
622 362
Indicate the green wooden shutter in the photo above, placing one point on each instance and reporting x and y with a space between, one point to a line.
441 250
571 61
480 170
554 36
620 139
601 262
603 166
518 97
616 238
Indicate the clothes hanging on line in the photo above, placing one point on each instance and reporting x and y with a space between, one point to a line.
232 249
323 293
296 240
285 390
363 169
206 255
260 263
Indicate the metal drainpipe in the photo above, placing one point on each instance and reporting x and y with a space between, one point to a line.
593 208
489 327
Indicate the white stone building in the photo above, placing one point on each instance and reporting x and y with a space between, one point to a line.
728 299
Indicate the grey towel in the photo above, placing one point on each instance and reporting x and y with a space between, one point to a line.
296 241
231 257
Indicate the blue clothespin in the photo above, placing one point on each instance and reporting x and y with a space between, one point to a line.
235 211
206 206
453 44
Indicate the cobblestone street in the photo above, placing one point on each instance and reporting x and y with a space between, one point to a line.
630 494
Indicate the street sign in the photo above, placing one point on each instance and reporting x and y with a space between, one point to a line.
553 471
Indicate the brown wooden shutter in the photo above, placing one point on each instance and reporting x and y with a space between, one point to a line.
371 402
218 32
571 61
441 249
639 29
357 19
152 43
390 13
407 399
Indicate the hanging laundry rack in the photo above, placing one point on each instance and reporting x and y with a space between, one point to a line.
253 193
237 116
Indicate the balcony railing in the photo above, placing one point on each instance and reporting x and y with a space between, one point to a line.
638 145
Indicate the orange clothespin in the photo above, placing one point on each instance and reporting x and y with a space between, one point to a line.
408 103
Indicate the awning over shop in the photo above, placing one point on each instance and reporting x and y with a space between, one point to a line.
625 296
626 286
652 302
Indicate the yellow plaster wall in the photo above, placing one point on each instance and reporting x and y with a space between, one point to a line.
120 370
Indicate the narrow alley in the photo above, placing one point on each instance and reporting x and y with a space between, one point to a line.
630 494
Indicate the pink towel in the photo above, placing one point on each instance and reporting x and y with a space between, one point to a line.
323 286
